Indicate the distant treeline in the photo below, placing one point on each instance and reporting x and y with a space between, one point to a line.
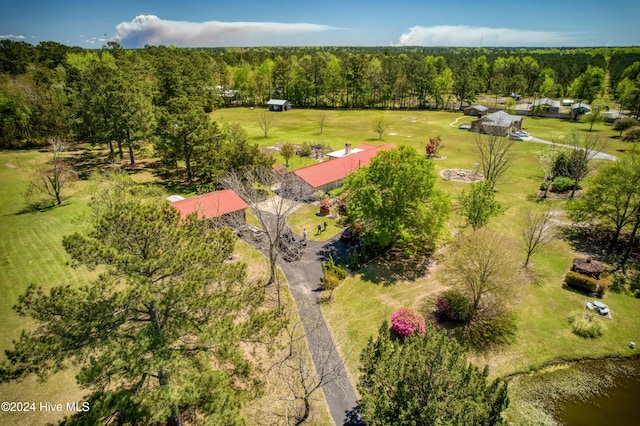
52 89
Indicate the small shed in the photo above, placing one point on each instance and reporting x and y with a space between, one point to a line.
580 109
588 267
476 110
499 123
278 105
546 105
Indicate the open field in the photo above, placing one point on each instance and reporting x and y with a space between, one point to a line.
31 250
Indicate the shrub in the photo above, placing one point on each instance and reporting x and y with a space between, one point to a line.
584 283
434 147
544 186
561 184
584 325
331 267
455 307
405 322
632 135
304 150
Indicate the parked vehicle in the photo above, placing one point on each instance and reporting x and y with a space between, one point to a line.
250 232
291 246
516 137
351 234
465 126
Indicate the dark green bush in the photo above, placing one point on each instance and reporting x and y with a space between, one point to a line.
304 150
584 283
455 306
561 184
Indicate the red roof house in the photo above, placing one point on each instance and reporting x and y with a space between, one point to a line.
329 174
211 205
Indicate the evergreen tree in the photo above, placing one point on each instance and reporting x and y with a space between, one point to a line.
425 380
161 335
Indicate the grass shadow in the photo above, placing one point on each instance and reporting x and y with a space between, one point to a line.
393 267
37 207
597 243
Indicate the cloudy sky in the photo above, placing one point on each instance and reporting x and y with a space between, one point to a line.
215 23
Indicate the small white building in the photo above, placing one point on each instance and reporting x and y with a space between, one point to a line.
278 105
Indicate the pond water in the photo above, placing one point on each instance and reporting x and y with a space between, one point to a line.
620 406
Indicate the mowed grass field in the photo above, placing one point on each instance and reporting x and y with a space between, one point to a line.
31 250
366 299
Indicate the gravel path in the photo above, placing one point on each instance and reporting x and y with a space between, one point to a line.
596 154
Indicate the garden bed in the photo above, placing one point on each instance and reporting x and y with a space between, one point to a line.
461 175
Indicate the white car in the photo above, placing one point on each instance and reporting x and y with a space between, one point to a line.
515 136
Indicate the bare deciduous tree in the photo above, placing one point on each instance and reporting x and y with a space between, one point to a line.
270 210
295 379
584 148
547 162
486 270
51 177
380 126
266 121
536 233
321 120
495 155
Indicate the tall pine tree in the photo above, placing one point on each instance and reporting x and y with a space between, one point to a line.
161 336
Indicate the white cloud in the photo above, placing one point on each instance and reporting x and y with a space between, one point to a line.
466 36
8 36
149 29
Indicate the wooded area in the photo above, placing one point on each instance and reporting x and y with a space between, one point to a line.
127 95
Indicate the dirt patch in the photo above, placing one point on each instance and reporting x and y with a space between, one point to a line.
11 166
461 175
559 195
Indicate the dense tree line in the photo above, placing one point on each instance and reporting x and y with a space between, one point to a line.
124 96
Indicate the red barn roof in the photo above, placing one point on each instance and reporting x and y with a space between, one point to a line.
336 169
210 205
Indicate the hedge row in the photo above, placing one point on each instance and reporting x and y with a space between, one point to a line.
584 283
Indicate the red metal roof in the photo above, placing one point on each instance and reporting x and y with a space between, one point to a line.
212 204
336 169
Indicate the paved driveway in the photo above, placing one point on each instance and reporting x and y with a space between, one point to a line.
304 282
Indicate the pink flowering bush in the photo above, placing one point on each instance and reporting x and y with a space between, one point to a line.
405 322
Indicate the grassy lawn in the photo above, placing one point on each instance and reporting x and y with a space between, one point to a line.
307 217
31 252
299 126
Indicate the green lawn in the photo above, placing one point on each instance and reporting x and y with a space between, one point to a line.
307 217
31 250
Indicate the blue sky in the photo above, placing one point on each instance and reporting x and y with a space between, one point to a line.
134 23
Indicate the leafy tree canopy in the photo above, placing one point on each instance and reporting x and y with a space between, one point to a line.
396 200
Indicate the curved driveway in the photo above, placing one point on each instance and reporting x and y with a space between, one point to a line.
595 154
304 276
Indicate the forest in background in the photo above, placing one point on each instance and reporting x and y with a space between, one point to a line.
97 96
